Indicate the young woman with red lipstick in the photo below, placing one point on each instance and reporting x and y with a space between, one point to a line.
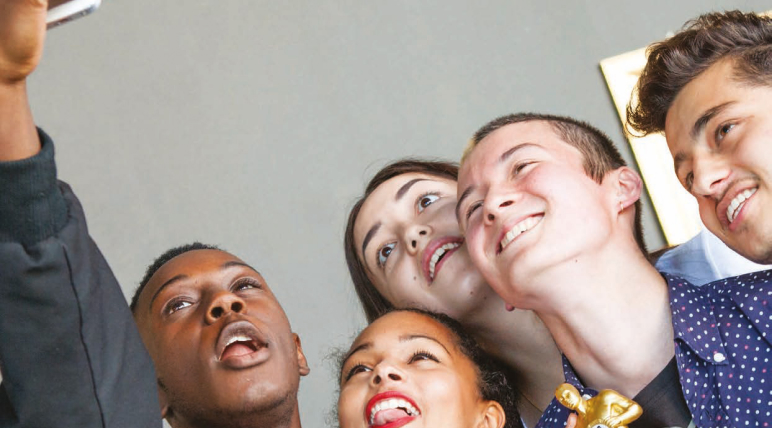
420 368
404 249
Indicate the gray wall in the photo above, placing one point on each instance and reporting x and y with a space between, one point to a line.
254 124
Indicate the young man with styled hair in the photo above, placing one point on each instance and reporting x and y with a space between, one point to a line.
709 89
553 234
70 353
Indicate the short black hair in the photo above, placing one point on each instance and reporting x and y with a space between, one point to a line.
161 260
492 381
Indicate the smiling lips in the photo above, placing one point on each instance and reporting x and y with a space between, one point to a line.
390 409
518 229
436 253
737 203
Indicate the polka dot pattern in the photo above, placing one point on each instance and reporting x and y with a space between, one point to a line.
722 346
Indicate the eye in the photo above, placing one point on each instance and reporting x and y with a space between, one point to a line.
384 253
425 200
423 356
723 130
246 284
359 368
176 305
519 166
472 209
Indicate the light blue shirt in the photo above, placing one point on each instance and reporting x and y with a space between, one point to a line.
704 259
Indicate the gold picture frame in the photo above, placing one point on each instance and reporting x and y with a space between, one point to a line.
676 209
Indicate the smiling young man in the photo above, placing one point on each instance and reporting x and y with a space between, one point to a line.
709 88
70 352
549 212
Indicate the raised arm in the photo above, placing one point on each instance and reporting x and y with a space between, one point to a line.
22 31
70 353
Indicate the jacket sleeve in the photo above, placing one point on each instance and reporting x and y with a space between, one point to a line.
70 353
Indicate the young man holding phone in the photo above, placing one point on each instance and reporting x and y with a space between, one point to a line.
70 352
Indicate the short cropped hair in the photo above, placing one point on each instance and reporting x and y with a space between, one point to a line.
160 261
743 38
492 382
373 303
600 154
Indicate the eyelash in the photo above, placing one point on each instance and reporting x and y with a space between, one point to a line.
247 281
425 195
391 245
170 309
359 367
519 166
722 130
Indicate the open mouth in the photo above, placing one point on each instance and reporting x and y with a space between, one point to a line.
436 252
391 410
736 205
238 341
518 229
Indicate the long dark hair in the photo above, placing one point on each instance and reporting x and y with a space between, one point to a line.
373 303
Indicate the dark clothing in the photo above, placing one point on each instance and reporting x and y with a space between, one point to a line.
665 401
722 348
70 352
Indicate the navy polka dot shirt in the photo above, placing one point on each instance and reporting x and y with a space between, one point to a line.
722 347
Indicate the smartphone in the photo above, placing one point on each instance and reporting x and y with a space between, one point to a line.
62 11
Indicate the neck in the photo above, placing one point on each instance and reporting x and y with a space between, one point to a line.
522 342
261 420
610 315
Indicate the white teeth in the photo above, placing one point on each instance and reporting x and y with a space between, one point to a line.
238 338
437 254
737 202
393 403
519 228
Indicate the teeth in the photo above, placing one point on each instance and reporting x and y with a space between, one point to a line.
238 338
737 202
437 254
519 228
393 403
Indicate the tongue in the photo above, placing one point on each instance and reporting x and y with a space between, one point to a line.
390 415
236 350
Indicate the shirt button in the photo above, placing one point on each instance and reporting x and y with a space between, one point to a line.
718 357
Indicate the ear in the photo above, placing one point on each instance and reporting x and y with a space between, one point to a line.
493 416
629 187
302 363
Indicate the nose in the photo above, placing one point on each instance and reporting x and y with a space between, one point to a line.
223 304
494 207
415 235
385 372
710 174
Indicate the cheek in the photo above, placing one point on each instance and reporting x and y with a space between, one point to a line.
351 404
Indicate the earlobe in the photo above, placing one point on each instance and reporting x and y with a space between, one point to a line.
629 187
163 401
303 368
493 416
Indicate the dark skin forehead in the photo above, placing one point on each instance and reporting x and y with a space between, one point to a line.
186 267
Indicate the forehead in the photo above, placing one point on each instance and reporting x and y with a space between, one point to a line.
714 86
389 328
378 203
490 149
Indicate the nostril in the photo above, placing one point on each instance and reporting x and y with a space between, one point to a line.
491 217
394 376
216 312
377 379
506 204
422 233
413 243
237 306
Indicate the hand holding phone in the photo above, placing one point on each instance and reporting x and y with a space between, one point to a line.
62 11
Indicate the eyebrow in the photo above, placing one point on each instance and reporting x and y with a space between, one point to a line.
180 277
405 338
405 187
699 124
370 233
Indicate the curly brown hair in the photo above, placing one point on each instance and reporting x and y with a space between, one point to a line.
743 38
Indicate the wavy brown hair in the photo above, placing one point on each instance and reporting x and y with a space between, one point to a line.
743 38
